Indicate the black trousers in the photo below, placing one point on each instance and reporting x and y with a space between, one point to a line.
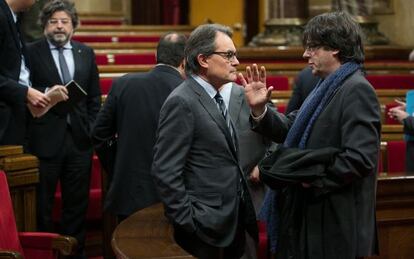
73 168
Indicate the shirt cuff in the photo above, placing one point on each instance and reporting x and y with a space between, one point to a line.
260 117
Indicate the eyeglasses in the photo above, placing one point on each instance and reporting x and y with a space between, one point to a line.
229 55
56 21
312 48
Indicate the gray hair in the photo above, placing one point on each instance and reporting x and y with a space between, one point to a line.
202 41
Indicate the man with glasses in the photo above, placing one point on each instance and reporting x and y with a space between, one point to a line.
323 205
61 139
196 165
15 86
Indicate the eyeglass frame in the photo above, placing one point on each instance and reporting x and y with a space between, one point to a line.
54 21
228 55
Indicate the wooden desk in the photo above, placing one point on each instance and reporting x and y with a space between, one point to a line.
146 234
395 216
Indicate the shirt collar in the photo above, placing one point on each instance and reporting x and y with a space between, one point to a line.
225 92
162 64
14 15
211 91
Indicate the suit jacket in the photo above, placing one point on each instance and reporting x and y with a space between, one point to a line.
131 112
339 209
304 84
252 146
197 169
47 133
12 94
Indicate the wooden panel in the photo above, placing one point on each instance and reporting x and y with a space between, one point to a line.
22 177
395 215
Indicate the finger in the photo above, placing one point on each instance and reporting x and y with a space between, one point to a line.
399 102
269 92
64 89
64 96
242 80
263 74
249 74
255 73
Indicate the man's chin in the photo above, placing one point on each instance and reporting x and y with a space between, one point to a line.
233 77
59 41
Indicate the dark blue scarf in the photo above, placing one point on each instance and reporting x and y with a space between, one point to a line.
298 135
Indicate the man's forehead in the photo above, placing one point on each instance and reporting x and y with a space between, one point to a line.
224 41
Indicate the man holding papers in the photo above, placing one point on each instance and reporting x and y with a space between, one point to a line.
60 138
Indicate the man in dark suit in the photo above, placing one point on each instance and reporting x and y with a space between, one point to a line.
61 141
131 113
15 90
196 164
333 215
305 82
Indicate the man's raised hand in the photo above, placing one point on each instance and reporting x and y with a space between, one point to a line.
257 95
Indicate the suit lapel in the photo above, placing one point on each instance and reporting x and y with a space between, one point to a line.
45 54
215 114
77 60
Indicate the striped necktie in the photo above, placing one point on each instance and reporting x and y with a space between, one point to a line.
223 109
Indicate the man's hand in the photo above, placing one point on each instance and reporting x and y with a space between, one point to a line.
257 95
254 175
57 94
37 98
398 113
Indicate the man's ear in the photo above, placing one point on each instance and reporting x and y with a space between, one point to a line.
181 68
202 60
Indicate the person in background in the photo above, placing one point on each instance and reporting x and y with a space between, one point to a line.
61 140
29 25
407 120
196 166
305 82
15 86
130 114
329 210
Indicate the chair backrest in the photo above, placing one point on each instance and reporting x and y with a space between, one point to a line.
391 81
105 84
9 238
396 156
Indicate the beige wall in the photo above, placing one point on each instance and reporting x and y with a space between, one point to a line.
399 26
94 6
227 12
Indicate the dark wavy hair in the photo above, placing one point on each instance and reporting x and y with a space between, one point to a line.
336 31
55 6
202 41
170 49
